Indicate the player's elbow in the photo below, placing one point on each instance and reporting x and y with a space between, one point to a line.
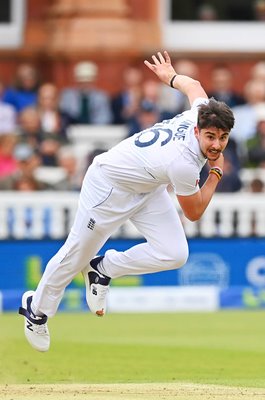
192 215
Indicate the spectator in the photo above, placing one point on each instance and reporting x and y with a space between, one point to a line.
8 163
126 102
246 115
31 133
259 10
147 115
152 93
73 177
7 114
25 181
256 185
91 155
85 103
207 12
258 71
22 161
30 127
28 161
24 91
53 121
26 184
256 147
222 90
53 124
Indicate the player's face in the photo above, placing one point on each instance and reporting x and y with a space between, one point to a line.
212 142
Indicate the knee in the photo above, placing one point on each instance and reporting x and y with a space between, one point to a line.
178 258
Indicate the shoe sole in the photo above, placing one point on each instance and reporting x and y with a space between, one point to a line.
99 313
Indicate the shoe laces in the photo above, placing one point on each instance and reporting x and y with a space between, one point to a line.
41 329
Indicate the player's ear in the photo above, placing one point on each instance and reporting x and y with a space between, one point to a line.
196 132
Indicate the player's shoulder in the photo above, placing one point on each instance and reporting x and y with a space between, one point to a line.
199 101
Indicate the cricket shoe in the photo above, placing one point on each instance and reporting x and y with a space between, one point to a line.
97 287
35 328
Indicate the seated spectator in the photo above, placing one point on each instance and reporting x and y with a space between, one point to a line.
7 114
90 157
152 94
8 163
24 91
68 161
246 115
85 103
31 133
147 115
26 184
221 87
29 127
53 124
23 160
52 120
256 186
126 102
28 159
150 110
207 12
24 180
256 147
258 71
259 10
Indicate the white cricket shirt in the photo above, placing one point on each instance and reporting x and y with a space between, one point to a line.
167 153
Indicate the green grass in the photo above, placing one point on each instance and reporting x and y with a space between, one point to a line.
226 348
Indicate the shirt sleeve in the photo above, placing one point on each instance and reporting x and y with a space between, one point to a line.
184 179
199 101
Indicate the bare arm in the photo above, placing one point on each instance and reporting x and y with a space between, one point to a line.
163 68
194 206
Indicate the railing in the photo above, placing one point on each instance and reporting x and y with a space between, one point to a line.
38 215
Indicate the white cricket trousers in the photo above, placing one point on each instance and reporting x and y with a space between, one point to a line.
102 209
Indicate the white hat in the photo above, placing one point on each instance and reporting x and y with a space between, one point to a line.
23 151
85 71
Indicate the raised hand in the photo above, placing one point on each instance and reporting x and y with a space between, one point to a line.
162 67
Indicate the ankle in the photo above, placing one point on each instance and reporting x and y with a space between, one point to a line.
36 311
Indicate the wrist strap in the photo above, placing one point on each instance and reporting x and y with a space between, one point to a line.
216 171
172 81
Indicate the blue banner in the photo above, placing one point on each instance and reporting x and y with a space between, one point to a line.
220 262
236 266
242 297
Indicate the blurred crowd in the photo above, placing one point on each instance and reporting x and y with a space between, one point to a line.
35 117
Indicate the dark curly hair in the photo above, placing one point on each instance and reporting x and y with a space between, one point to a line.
215 114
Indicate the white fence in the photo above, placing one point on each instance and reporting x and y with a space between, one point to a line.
50 214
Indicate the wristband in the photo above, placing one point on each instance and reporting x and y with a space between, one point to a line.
172 80
216 171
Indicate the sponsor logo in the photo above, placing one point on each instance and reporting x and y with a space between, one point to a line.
29 326
91 224
255 271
